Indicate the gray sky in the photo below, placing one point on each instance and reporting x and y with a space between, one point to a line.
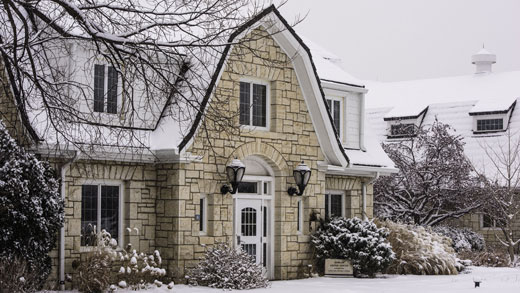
391 40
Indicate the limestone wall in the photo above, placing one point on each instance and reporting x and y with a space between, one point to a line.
139 196
290 139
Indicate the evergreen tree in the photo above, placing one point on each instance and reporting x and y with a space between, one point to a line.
31 210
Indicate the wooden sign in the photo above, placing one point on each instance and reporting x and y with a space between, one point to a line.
338 267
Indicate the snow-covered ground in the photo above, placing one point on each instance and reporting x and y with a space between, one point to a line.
503 280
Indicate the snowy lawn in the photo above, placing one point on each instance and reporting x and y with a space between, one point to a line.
493 280
503 280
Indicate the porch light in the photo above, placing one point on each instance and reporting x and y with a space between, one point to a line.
234 172
301 175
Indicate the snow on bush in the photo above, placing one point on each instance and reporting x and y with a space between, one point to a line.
227 268
31 209
138 270
359 241
419 251
463 239
490 257
107 264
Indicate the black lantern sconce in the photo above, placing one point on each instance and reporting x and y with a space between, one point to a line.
301 175
234 172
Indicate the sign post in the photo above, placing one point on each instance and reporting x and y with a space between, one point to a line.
338 268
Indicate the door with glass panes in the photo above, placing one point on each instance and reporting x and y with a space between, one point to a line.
252 219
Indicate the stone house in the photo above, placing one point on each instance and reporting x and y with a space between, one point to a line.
294 104
480 107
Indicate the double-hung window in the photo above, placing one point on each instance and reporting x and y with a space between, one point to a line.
335 105
254 104
100 209
334 204
105 89
489 222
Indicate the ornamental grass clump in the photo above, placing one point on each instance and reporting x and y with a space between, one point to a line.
419 251
359 241
227 268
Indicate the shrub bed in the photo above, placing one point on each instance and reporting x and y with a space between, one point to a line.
361 242
227 268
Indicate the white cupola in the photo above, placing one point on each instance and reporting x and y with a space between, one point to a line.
483 61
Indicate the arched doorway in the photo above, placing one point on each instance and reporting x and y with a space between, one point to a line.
254 213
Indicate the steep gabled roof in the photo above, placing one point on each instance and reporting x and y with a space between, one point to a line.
308 79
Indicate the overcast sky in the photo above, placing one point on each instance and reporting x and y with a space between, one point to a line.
390 40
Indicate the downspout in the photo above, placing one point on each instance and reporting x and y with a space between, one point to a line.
364 192
63 171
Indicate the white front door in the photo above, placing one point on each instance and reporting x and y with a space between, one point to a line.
253 220
249 227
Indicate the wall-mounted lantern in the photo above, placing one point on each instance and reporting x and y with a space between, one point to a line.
234 172
301 174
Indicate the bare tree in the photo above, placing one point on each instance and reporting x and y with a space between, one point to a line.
434 182
502 204
161 53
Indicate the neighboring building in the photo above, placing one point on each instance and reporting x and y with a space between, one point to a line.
171 193
480 107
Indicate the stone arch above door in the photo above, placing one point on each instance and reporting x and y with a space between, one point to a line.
266 152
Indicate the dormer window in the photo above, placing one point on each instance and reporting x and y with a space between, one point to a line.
105 89
335 106
490 124
402 129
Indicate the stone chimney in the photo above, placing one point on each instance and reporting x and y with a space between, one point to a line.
483 61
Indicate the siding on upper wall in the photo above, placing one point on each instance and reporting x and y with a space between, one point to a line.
353 120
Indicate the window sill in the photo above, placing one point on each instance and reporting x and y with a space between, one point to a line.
477 132
85 249
254 128
401 136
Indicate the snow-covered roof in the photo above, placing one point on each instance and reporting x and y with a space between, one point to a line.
488 91
456 101
328 65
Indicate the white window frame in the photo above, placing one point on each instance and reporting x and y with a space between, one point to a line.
336 192
299 216
504 118
204 211
342 110
267 103
105 88
100 183
494 227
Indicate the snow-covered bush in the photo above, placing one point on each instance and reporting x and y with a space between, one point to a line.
31 209
463 239
361 242
419 251
107 264
227 268
137 270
